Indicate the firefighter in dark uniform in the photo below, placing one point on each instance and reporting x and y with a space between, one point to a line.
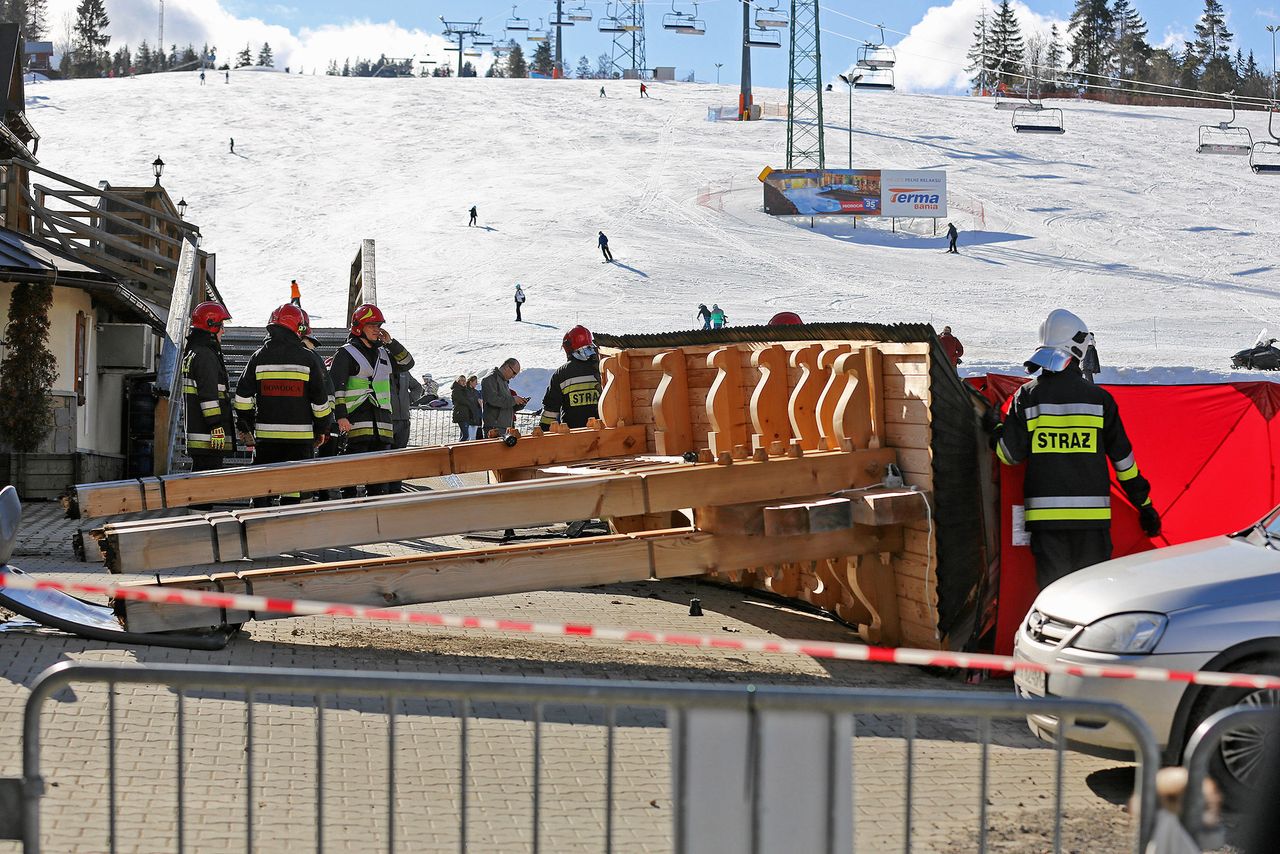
210 429
361 372
573 395
1066 429
283 402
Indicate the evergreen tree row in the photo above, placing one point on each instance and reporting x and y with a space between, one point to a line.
1105 48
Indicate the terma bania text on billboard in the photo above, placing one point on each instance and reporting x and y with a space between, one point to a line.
855 192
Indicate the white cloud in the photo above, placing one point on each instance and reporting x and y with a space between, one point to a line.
931 57
1173 39
208 21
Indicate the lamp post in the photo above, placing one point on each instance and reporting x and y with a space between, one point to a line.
1273 29
157 167
718 64
850 81
182 208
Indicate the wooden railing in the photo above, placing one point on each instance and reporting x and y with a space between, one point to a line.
132 232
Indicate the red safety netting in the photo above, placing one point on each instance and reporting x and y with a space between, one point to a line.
1209 452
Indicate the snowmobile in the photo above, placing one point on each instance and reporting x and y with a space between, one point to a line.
1262 356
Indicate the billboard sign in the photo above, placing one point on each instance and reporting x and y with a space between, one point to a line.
855 192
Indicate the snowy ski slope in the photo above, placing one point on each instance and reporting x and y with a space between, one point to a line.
1172 257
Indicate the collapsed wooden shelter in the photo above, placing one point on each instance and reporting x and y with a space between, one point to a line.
836 464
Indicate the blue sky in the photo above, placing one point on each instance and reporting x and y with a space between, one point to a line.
308 32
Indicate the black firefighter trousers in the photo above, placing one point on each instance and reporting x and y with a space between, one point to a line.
1061 552
285 451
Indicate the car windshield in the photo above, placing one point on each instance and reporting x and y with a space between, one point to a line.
1271 522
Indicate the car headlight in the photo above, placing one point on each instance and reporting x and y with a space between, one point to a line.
1123 634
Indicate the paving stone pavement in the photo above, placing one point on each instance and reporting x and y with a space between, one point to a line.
353 812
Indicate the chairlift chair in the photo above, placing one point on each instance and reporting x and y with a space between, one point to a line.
580 13
771 17
514 23
761 37
471 51
675 19
876 56
1004 101
692 26
1036 118
538 35
564 19
875 80
1225 137
482 40
1264 156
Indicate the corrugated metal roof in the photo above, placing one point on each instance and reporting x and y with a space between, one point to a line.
898 333
17 251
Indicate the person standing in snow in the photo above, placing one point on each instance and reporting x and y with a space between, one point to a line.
1067 430
602 94
228 73
718 319
704 314
603 242
519 301
473 216
951 346
644 91
952 236
202 77
233 145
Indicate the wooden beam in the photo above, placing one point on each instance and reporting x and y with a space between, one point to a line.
183 490
266 532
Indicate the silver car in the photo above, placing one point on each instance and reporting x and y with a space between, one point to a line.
1212 604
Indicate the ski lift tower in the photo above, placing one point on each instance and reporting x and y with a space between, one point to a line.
461 30
628 42
804 89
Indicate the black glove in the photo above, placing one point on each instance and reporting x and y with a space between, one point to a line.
992 426
1149 519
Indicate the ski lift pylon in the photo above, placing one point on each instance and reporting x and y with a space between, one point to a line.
1264 157
1225 137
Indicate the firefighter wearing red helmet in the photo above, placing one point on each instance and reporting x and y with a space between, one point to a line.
205 386
573 394
284 402
362 374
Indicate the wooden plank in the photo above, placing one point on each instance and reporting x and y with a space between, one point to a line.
887 507
674 433
615 398
905 366
437 577
726 410
899 411
768 404
900 386
802 408
908 435
182 490
727 552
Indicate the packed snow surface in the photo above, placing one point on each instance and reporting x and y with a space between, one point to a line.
1170 256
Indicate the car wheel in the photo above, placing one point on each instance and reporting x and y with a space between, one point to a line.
1239 756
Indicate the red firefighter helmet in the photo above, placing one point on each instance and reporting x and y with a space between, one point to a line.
291 317
367 313
209 316
578 343
785 318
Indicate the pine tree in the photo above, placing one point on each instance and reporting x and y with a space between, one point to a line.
142 59
979 65
346 68
1090 28
91 37
542 62
333 68
265 59
1006 47
1213 39
1253 83
468 70
37 19
1130 46
244 57
1053 56
516 66
604 66
29 369
583 70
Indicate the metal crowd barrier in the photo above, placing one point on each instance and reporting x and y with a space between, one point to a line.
750 769
429 426
1250 725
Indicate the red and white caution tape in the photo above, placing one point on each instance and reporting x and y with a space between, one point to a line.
812 649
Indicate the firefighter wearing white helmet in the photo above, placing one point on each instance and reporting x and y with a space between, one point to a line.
573 394
1066 429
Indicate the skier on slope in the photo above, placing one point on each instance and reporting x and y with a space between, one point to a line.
704 314
603 243
519 298
644 91
573 393
718 319
952 236
602 94
473 220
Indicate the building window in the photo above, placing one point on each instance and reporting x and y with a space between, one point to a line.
82 334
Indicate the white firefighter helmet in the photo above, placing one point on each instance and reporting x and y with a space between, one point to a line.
1063 337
